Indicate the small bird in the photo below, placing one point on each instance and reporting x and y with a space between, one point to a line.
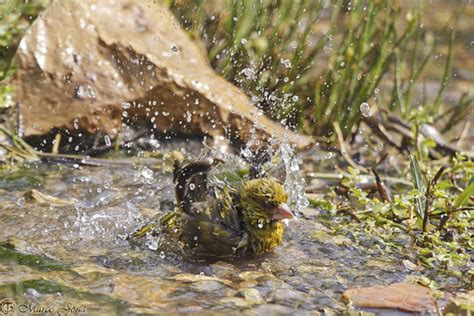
223 219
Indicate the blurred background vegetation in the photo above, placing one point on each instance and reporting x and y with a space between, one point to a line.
312 64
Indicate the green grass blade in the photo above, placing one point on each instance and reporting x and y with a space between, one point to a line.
463 198
420 185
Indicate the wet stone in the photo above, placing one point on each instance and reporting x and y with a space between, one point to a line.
309 212
290 297
255 275
399 296
248 283
460 304
222 269
252 296
189 309
234 301
207 286
270 309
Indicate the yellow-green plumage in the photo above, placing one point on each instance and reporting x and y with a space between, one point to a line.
224 220
258 198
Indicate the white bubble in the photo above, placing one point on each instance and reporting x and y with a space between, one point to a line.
365 109
286 62
147 173
107 140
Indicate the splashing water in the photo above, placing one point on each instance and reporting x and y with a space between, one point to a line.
295 183
282 155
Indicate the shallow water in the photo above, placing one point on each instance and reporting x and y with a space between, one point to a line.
72 250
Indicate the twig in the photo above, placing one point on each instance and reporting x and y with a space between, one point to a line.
343 148
463 134
381 188
339 176
349 211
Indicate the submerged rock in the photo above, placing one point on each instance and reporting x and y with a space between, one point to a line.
406 297
252 296
87 67
461 304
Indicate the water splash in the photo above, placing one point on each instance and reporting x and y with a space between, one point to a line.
295 183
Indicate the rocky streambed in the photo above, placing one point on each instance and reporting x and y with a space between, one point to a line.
63 242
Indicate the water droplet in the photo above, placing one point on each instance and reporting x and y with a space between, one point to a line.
153 244
90 92
260 225
195 237
147 173
20 202
192 186
365 109
107 140
249 73
286 62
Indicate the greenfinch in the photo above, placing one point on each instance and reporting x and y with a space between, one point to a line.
216 218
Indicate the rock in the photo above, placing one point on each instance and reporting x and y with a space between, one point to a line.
191 278
222 269
326 238
309 212
461 304
255 275
236 301
87 67
406 297
290 297
269 309
207 286
36 196
252 296
307 269
247 283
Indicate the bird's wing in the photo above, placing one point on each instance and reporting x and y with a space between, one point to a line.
211 219
191 182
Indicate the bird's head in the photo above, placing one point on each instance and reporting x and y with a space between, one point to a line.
264 201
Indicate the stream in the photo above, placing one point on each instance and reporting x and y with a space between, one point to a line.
63 246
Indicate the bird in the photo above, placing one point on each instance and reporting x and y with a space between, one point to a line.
222 218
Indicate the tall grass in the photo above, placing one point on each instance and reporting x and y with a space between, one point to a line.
306 63
313 63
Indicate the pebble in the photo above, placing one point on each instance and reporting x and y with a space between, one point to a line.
252 296
290 297
207 286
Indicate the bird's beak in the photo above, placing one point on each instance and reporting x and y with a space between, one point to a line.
282 211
